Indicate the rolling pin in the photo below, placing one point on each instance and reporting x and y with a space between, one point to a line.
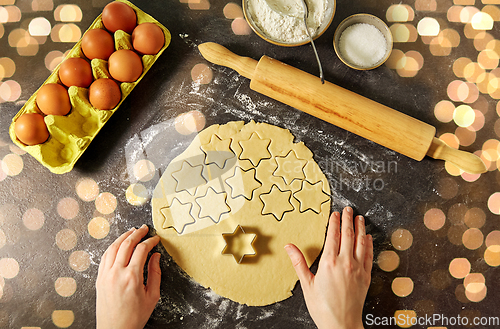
343 108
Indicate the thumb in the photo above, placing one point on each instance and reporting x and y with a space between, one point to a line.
154 277
300 265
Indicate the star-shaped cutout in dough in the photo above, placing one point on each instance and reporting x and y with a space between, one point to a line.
217 151
311 196
177 216
255 149
189 178
290 167
213 205
243 183
239 244
276 202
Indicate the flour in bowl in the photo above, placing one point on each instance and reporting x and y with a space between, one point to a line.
287 28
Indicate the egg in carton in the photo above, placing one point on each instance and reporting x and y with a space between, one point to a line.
71 134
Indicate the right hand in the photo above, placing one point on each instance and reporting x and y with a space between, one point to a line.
336 294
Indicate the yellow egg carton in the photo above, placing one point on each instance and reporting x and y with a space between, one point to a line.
70 135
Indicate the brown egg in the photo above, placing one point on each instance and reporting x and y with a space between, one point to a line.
104 94
53 98
75 72
125 65
119 16
31 129
148 39
98 43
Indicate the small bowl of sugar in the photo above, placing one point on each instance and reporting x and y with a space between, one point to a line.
363 41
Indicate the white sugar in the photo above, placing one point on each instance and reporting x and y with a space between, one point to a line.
362 44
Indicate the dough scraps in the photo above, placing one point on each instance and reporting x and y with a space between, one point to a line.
244 191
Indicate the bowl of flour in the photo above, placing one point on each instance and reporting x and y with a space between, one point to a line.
288 30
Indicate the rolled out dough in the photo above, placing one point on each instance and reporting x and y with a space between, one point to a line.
253 176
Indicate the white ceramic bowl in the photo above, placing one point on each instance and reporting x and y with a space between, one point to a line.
249 16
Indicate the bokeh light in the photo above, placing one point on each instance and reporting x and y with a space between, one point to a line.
66 239
66 33
68 208
199 5
190 122
493 238
202 74
401 239
475 287
9 268
144 170
79 260
494 203
232 11
464 115
33 219
402 286
465 136
388 260
459 268
450 139
444 111
98 228
240 26
12 164
68 13
63 318
482 21
428 26
53 59
106 203
467 13
10 91
475 218
87 189
137 194
39 26
492 255
400 13
65 286
473 238
403 32
434 219
7 67
405 318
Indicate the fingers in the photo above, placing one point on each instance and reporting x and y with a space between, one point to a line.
369 253
360 244
126 248
347 236
332 243
300 265
154 277
109 256
140 253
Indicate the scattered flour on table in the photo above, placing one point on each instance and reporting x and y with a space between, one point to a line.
287 28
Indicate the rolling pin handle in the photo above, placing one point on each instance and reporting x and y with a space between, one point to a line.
468 162
220 55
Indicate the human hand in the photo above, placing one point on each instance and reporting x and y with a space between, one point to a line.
123 301
335 295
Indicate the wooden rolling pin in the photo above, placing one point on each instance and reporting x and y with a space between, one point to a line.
343 108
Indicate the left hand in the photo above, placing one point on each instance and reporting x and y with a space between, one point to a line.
123 301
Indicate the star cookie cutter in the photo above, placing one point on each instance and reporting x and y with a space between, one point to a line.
239 244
